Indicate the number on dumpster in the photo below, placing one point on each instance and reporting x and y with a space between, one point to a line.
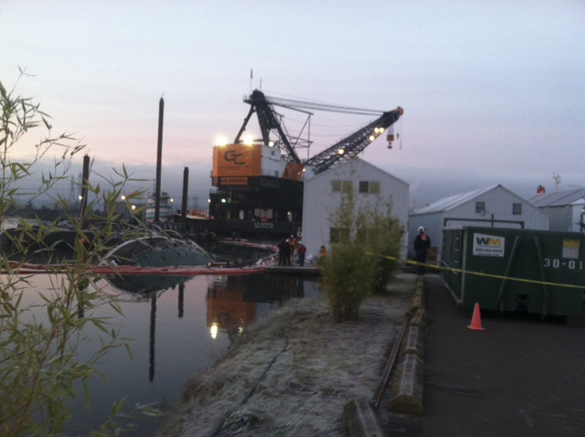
556 263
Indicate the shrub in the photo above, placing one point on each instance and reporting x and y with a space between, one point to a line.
386 236
350 274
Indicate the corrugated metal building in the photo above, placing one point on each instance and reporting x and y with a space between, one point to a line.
564 208
494 206
323 192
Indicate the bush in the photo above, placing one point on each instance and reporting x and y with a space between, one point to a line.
349 278
384 245
358 264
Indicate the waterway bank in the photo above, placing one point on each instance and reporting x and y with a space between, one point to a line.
292 373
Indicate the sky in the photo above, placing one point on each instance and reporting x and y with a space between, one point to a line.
493 91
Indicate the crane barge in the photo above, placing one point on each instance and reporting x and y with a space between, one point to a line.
259 183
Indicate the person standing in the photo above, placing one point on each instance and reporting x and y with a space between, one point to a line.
301 250
283 247
287 251
293 243
422 243
322 255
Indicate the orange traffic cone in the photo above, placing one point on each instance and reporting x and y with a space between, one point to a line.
476 320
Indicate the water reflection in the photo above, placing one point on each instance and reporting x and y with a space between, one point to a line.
232 301
152 337
179 326
144 286
227 309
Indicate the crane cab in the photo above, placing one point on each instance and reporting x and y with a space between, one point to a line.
255 183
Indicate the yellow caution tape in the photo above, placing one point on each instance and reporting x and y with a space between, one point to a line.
469 272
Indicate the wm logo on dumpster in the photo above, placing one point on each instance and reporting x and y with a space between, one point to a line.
489 241
488 245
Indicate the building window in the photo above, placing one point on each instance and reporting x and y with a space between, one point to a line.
517 208
341 186
372 187
480 207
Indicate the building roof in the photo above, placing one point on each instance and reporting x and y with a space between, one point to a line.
361 162
450 202
558 198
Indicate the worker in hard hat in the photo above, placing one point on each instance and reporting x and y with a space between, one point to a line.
422 243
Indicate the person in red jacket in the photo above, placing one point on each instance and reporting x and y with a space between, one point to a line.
301 250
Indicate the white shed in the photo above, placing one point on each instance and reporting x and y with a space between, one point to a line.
322 194
494 206
564 209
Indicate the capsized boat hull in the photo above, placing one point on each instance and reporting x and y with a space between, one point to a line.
159 251
146 284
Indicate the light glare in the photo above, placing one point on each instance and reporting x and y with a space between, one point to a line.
221 141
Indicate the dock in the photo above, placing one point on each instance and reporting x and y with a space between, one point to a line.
308 270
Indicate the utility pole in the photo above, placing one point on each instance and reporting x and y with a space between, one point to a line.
161 113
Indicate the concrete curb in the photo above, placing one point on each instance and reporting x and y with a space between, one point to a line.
361 420
413 342
406 395
407 388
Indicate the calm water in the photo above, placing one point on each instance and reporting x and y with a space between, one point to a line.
176 332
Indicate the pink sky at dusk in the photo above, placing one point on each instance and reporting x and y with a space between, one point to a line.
493 92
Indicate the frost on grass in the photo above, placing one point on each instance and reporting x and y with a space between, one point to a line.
315 366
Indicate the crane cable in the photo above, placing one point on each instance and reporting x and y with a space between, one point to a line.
399 134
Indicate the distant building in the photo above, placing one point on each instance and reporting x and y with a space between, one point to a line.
494 206
323 193
565 209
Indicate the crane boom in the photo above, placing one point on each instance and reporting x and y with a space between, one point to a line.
355 143
342 151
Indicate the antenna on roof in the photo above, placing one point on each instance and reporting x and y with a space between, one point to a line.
557 179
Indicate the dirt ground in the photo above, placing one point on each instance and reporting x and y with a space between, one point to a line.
292 374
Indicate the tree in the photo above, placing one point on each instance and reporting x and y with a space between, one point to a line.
350 275
39 368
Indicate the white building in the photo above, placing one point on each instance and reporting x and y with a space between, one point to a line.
564 209
323 192
493 206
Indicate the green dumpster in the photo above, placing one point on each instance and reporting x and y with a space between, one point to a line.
534 271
